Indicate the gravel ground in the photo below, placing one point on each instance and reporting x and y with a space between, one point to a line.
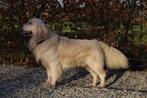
24 82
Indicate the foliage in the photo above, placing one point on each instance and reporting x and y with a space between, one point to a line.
120 24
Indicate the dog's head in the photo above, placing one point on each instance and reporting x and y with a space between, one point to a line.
34 27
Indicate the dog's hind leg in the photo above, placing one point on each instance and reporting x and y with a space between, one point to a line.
95 72
97 69
102 74
94 75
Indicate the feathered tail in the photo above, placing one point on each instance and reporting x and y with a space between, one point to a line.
114 58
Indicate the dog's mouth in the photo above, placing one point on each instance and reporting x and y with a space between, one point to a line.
27 33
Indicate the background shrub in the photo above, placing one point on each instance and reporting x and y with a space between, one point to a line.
121 24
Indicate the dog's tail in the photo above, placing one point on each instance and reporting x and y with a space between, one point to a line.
114 58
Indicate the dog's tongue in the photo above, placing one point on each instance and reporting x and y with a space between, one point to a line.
25 34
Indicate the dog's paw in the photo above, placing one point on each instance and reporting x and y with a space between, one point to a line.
47 85
101 86
93 85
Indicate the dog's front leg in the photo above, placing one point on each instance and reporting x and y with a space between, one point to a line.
54 71
47 83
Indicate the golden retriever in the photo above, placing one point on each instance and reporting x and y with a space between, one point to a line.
58 53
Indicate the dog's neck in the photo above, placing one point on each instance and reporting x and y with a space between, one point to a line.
32 43
41 41
37 40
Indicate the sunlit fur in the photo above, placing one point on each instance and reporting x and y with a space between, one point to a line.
58 53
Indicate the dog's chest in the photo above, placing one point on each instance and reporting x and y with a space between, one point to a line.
45 54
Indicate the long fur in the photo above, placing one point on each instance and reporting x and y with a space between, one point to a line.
114 58
57 53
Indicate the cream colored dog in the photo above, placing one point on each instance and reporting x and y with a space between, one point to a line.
57 53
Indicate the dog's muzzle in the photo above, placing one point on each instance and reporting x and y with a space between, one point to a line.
27 33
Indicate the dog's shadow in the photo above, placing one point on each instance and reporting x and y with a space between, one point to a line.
80 73
117 74
72 75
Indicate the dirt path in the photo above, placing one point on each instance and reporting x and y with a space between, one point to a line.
21 82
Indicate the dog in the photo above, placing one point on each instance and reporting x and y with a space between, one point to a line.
57 53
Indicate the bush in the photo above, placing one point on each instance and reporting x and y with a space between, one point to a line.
111 21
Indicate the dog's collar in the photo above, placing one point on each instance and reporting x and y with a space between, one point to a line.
41 41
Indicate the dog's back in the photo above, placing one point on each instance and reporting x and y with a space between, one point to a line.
74 52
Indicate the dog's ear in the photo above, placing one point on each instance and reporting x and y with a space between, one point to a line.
42 29
43 32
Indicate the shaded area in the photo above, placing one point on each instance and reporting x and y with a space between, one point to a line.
80 74
15 79
119 24
116 74
20 82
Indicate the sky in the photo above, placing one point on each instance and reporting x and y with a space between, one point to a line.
61 3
